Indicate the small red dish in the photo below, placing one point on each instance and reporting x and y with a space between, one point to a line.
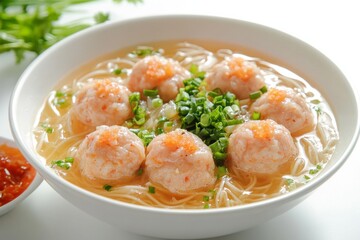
18 179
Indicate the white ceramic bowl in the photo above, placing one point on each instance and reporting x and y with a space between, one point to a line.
34 184
43 74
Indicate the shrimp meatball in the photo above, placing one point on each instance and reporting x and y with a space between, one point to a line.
235 75
102 102
180 162
110 154
286 107
260 146
165 74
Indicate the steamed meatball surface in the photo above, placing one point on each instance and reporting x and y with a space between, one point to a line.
235 75
180 162
260 146
165 74
110 153
286 107
102 102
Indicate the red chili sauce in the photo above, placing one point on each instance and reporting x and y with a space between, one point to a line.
16 174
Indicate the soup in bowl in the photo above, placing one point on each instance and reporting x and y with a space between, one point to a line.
184 129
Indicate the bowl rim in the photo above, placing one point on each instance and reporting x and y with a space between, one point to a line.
37 180
301 191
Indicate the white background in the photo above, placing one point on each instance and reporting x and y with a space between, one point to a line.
332 212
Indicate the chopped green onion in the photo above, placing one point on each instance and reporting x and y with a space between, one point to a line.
205 120
140 121
224 142
150 93
220 156
212 193
315 170
143 52
62 99
47 128
117 71
134 97
317 109
194 70
168 124
69 160
140 171
189 118
156 102
134 130
129 123
255 95
263 89
162 119
159 131
65 163
206 206
215 147
139 111
107 187
315 101
206 198
306 177
207 114
255 116
144 135
289 181
184 110
221 171
151 189
234 122
230 97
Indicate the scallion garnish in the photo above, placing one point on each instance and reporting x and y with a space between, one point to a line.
206 198
255 116
65 163
221 171
207 114
255 95
143 52
138 110
150 93
263 89
194 70
140 171
62 99
152 189
314 171
145 135
206 205
117 71
47 128
156 102
107 187
289 181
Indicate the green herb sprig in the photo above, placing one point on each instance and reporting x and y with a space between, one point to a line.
33 25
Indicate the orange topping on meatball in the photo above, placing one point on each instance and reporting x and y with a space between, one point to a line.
105 88
158 71
276 95
107 138
240 69
262 130
174 141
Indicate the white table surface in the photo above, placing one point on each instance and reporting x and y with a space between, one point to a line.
332 212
